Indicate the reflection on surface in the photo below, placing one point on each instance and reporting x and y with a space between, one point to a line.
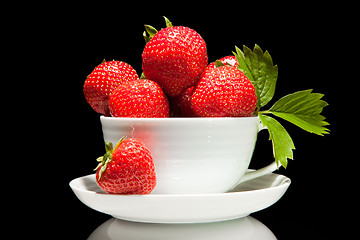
244 228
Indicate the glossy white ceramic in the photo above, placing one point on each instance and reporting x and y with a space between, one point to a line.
193 155
248 197
247 228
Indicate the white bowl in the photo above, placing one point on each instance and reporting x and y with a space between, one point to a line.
193 155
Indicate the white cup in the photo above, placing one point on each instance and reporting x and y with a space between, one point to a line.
193 155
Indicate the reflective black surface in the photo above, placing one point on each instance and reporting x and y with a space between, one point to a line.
245 228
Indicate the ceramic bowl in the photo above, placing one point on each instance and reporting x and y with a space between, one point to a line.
193 155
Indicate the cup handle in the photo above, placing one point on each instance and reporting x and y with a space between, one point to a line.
262 171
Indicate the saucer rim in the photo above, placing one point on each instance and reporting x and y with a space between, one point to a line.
184 208
285 181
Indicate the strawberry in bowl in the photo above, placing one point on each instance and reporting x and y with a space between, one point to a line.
103 80
140 98
224 91
174 57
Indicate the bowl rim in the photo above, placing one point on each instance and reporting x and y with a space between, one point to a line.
182 119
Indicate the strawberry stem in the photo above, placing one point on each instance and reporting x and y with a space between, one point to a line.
104 160
149 30
167 22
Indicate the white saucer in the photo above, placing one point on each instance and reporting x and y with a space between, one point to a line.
251 196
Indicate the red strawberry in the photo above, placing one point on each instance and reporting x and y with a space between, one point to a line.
228 60
224 92
103 80
175 58
129 169
141 98
182 104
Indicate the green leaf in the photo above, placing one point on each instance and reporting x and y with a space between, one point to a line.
281 141
107 158
108 146
240 57
104 160
258 67
219 63
167 22
142 76
303 109
146 37
149 33
242 64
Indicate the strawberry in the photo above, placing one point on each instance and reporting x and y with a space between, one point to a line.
228 60
129 169
224 92
103 80
175 57
182 104
141 98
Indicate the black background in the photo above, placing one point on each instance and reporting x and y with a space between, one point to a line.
306 43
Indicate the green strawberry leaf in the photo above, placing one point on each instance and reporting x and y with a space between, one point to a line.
219 63
240 57
281 140
167 22
149 33
104 160
258 67
303 109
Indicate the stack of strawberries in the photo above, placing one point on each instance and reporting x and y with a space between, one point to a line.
176 81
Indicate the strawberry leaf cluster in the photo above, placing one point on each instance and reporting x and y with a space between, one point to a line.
302 108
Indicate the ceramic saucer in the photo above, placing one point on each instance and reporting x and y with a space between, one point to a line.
251 196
